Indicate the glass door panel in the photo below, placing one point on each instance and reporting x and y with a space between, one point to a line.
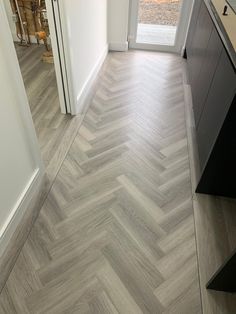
159 24
157 21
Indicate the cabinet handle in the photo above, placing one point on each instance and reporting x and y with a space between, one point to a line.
225 10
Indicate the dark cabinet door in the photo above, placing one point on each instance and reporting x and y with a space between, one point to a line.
218 102
203 83
199 44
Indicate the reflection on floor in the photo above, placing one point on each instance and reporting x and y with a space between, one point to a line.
156 34
116 233
41 88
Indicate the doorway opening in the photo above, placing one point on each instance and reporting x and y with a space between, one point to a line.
30 28
157 21
159 25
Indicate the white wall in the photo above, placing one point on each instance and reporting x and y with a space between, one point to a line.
9 17
185 17
85 34
20 163
118 19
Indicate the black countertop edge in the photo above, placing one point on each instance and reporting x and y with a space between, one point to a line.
222 32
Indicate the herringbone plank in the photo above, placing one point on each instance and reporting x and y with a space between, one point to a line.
116 233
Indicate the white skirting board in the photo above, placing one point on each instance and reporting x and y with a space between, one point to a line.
119 46
81 98
19 210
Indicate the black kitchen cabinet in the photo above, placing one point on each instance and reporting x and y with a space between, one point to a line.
208 66
213 83
218 102
218 175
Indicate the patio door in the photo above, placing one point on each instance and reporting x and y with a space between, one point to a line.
159 24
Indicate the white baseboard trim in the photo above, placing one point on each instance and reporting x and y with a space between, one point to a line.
19 210
119 46
81 98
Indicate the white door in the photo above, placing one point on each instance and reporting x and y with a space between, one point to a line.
60 60
159 24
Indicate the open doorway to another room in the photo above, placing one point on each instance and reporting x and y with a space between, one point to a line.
30 30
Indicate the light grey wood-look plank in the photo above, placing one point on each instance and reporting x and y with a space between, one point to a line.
116 232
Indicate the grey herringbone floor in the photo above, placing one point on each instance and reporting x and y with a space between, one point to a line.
116 233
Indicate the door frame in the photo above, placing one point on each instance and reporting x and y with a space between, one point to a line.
61 61
57 36
182 27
